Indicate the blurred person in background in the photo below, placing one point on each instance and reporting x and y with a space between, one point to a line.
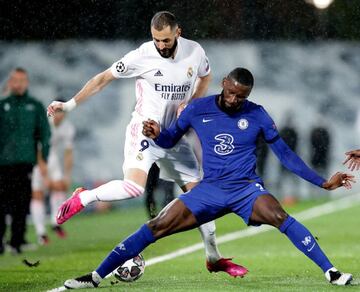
320 145
60 164
24 129
262 152
155 182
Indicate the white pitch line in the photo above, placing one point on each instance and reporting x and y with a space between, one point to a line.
311 213
324 209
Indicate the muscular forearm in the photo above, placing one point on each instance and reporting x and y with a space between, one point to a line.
294 163
201 86
93 86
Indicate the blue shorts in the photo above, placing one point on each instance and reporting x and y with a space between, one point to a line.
208 202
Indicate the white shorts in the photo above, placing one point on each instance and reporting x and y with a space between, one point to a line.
54 171
177 164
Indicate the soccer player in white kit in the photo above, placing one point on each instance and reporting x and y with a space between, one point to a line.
169 72
60 162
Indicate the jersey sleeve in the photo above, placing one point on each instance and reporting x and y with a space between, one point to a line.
204 67
128 66
268 127
169 137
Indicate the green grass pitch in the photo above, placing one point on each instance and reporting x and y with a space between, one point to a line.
274 263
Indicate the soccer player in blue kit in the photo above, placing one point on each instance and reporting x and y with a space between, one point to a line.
228 126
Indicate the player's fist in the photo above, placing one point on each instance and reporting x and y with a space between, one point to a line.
151 129
54 107
353 159
339 179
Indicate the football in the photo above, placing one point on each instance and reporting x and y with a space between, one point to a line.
131 270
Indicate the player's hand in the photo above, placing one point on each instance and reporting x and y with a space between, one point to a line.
339 179
151 129
180 109
54 107
353 159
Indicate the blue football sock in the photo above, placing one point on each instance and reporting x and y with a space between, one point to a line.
126 250
301 237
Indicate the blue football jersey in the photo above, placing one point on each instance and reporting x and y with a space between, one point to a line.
228 140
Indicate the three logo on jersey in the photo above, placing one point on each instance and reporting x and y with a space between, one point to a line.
225 145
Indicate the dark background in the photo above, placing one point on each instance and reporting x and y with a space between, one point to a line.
212 19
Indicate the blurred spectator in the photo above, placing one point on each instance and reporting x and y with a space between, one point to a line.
320 149
262 152
290 136
23 130
60 164
153 182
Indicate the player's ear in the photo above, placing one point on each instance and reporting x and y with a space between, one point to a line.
223 82
178 32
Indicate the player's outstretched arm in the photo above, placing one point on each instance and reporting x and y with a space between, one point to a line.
339 179
294 163
93 86
352 159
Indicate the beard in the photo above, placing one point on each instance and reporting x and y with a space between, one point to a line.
167 53
226 108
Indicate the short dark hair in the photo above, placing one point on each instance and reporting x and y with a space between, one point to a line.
243 76
20 69
163 19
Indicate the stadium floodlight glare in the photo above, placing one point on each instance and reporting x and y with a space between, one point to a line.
320 4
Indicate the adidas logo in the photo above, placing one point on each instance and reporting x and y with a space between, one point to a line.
158 73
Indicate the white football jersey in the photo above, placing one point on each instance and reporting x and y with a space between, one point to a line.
162 84
62 138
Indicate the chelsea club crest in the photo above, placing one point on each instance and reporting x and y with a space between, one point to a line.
243 124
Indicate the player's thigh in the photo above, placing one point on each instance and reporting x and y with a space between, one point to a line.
140 153
180 165
267 210
173 218
206 202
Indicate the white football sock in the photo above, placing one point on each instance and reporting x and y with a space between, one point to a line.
96 277
114 190
56 199
207 231
37 210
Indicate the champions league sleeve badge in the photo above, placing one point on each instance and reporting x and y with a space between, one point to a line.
243 124
120 67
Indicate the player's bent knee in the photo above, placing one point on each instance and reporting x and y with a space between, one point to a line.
158 227
279 218
133 189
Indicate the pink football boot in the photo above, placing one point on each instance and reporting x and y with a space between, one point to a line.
227 266
70 207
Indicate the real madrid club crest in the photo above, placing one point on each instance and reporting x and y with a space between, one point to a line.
190 72
243 124
140 156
